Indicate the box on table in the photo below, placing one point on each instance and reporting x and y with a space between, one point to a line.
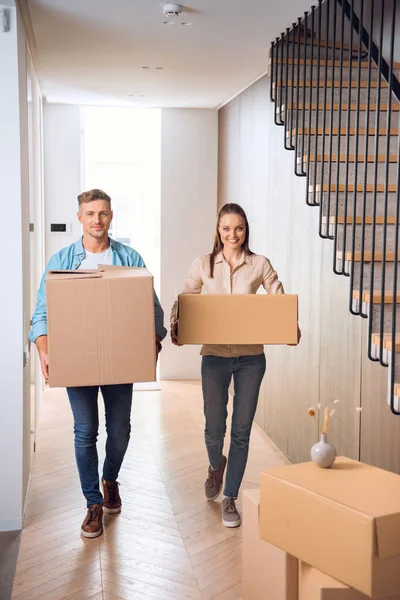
315 585
345 521
237 318
268 573
101 328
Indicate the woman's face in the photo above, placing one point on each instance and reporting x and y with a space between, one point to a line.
232 229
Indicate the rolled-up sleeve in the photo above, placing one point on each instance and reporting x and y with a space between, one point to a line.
271 282
39 317
193 285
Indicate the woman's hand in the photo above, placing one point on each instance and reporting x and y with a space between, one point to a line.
174 333
298 337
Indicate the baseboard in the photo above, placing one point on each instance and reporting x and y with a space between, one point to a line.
151 386
11 525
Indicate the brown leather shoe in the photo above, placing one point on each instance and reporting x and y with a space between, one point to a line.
112 501
92 526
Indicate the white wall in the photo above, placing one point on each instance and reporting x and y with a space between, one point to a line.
189 160
63 173
14 299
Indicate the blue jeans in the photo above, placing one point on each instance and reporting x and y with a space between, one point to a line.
118 403
216 375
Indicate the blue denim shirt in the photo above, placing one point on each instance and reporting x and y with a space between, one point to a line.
71 258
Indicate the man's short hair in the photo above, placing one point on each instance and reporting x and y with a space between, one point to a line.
91 195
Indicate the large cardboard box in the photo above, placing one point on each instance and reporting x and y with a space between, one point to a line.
101 328
237 319
268 573
345 521
315 585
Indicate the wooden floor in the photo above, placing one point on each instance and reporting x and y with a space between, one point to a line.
167 544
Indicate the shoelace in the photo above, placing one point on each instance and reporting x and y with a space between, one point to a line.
230 506
211 479
94 514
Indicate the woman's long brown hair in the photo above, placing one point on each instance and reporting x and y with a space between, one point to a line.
228 209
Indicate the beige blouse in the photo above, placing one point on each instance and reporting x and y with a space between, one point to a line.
251 272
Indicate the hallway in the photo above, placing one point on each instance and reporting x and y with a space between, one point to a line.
168 543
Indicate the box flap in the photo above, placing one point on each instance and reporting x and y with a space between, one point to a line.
83 274
354 485
119 271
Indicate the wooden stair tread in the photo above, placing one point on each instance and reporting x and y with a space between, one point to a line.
392 187
387 341
376 297
351 158
345 63
327 107
343 131
390 256
379 220
397 389
322 43
336 84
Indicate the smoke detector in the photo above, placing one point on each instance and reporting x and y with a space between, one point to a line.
172 10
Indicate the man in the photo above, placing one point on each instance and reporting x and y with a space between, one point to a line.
94 248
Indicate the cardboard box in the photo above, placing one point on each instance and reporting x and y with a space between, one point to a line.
315 585
345 521
268 573
101 328
237 319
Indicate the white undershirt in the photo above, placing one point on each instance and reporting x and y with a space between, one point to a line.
93 259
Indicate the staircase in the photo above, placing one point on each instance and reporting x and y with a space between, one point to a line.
335 84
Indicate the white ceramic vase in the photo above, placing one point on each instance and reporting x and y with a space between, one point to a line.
323 453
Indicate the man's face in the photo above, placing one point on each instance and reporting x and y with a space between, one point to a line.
96 217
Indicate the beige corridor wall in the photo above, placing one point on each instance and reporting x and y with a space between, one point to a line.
331 362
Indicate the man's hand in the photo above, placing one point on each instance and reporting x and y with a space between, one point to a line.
41 345
174 334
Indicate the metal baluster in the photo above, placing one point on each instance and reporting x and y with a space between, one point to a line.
374 209
346 184
335 269
314 201
272 95
277 110
328 196
298 173
387 165
365 177
328 9
286 119
395 274
303 172
292 87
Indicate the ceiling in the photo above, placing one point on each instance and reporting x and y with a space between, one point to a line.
91 52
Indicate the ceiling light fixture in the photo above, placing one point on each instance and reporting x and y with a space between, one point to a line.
185 24
145 67
169 23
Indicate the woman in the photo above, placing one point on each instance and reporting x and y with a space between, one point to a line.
231 268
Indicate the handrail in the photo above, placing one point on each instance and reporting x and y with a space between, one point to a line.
372 49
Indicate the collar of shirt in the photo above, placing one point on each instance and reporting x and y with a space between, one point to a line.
245 258
79 250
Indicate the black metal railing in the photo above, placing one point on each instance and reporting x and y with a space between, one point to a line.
323 117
